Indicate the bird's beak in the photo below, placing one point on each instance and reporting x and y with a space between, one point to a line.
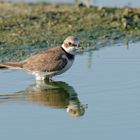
78 46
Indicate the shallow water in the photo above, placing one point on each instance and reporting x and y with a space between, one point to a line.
102 88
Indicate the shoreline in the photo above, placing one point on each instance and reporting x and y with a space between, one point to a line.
26 28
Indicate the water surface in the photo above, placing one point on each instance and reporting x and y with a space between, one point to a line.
102 88
110 3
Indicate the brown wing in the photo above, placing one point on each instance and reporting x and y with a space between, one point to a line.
48 61
11 65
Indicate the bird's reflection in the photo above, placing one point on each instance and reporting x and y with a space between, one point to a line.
54 94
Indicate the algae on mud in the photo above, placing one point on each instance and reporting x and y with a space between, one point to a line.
28 28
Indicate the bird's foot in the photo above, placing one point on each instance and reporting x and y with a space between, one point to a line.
48 80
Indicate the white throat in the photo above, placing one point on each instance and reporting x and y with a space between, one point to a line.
70 49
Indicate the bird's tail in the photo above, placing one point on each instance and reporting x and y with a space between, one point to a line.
11 65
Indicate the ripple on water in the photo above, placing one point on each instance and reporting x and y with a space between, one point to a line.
107 80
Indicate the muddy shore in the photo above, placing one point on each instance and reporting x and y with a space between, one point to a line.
28 28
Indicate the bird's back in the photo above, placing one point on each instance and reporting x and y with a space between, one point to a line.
50 60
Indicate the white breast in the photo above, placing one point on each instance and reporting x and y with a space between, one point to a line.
42 75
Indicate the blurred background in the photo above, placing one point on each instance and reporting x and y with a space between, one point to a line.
110 3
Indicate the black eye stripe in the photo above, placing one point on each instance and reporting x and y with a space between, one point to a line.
71 44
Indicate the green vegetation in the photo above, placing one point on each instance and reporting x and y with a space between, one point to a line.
28 28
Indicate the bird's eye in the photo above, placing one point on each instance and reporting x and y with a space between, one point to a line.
69 43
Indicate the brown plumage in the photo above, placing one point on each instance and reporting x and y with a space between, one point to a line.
48 63
14 65
45 61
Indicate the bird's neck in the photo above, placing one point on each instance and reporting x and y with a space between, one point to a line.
69 49
68 54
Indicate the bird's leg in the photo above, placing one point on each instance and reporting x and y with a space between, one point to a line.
40 84
39 77
48 79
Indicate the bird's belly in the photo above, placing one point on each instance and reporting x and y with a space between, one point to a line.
42 75
69 64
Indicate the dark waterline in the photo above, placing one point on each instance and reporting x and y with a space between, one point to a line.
110 3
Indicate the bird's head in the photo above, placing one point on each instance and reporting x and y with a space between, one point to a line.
71 44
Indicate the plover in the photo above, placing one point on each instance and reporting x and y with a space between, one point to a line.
49 63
